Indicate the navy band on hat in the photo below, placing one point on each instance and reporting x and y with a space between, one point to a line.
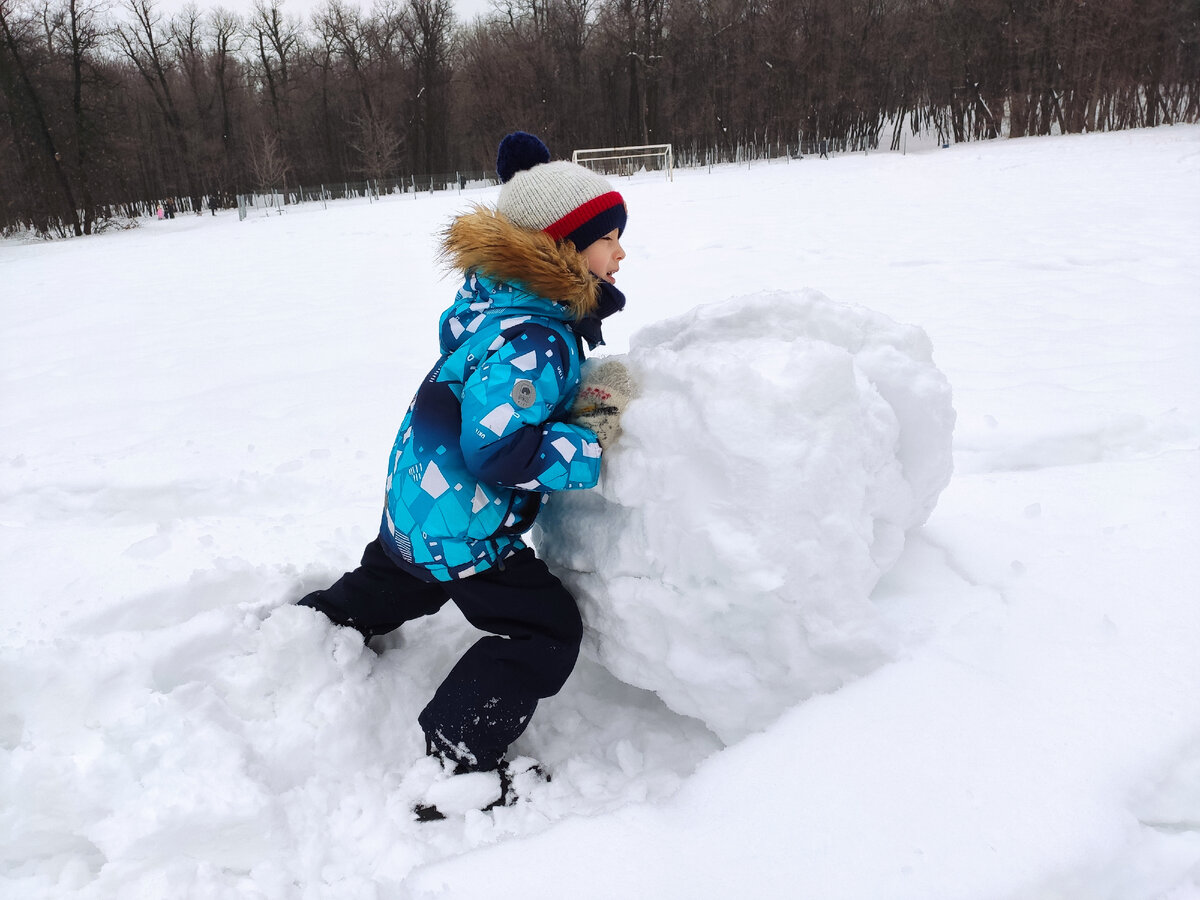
590 221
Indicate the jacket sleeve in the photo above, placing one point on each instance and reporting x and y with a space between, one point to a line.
512 404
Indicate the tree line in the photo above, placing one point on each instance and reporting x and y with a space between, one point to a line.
106 109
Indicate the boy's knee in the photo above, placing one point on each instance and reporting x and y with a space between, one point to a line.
317 600
573 626
561 650
313 601
560 623
553 667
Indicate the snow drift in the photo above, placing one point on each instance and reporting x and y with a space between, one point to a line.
170 726
779 448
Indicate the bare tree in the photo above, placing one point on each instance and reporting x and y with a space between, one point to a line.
227 34
14 73
427 26
147 44
269 165
343 27
639 28
276 39
83 34
379 146
187 36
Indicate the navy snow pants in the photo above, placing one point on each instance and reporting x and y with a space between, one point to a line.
486 701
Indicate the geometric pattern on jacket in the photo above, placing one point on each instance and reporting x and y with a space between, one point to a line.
484 443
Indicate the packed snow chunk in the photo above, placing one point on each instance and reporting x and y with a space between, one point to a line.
779 447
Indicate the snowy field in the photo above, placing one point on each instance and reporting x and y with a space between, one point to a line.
195 419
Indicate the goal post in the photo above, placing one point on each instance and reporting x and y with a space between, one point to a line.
624 160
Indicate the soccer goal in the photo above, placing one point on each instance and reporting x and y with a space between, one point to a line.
627 160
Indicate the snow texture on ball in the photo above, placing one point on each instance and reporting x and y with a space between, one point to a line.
779 447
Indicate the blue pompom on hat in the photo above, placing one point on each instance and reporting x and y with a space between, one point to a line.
563 199
519 151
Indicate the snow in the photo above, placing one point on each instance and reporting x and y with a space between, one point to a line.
195 422
770 435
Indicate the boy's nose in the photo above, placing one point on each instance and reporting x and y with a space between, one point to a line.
620 254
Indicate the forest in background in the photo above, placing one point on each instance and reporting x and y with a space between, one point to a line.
108 108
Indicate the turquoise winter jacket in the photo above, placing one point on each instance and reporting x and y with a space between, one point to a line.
484 441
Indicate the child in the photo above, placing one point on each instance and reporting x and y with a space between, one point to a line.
495 427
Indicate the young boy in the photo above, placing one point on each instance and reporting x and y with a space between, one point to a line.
498 424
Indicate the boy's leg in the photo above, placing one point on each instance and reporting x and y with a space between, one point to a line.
486 701
377 597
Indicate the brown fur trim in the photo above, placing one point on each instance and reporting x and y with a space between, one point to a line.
486 241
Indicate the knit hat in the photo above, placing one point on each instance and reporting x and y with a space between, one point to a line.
563 199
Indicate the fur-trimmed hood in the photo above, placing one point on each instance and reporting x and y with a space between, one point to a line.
485 241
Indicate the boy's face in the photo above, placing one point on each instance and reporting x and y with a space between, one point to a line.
604 256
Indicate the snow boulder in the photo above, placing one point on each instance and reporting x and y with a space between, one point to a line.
779 448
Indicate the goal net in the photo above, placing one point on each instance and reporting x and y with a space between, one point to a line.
627 160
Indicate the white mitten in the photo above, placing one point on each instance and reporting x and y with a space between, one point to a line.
604 392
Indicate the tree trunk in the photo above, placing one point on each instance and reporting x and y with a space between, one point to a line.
44 138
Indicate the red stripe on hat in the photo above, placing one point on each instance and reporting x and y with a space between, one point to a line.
581 214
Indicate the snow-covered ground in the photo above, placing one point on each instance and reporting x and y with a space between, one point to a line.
194 423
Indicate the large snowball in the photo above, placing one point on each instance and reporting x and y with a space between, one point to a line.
779 447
